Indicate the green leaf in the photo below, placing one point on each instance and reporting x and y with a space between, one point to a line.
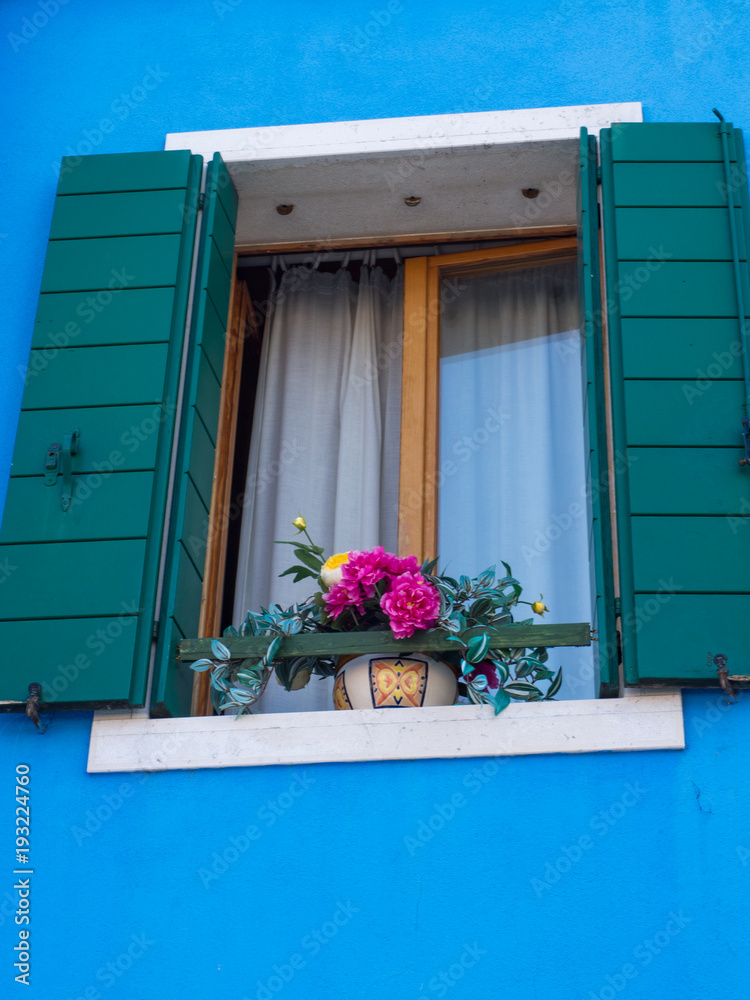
201 665
501 700
482 608
502 671
478 648
532 664
243 697
219 650
543 675
309 559
273 648
521 690
459 619
301 571
554 686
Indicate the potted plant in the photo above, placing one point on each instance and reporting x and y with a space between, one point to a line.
379 592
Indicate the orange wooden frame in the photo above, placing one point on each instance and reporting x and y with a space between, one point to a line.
240 317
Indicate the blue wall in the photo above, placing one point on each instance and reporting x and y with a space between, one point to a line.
559 877
557 872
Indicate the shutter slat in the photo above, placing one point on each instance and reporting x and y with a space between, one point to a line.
129 316
685 348
669 184
118 438
664 481
683 413
121 262
125 214
98 376
113 505
126 172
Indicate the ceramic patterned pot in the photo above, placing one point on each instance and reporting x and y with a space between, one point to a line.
411 681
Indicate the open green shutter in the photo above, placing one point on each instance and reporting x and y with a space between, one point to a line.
77 609
188 533
678 393
606 648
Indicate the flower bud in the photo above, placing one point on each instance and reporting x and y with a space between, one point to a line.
299 523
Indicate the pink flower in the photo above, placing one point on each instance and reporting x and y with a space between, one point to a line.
407 564
341 597
368 568
411 603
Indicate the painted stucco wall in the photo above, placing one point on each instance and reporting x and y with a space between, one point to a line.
546 877
554 877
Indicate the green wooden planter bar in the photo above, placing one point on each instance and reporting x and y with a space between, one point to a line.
340 643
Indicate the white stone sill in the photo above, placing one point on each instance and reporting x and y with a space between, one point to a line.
128 741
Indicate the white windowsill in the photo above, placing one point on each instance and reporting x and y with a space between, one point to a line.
128 741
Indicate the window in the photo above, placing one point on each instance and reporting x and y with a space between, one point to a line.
682 607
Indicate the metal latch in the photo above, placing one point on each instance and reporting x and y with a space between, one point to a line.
59 458
51 463
69 448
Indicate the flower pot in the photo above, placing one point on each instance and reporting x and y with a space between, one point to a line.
412 681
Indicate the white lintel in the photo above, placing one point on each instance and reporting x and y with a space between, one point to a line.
385 135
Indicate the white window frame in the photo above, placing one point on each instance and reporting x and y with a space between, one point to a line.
642 720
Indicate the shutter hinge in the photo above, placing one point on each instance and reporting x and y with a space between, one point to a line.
618 608
201 200
720 662
155 630
598 175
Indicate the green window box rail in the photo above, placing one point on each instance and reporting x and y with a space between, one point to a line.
343 643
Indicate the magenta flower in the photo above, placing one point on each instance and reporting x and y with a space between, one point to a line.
367 568
341 597
411 603
407 564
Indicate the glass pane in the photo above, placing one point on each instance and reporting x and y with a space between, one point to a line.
512 467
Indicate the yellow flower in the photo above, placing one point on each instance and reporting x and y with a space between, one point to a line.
299 523
539 608
331 572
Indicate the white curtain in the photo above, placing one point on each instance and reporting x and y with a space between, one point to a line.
325 438
513 481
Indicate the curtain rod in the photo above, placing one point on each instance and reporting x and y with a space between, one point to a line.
314 258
